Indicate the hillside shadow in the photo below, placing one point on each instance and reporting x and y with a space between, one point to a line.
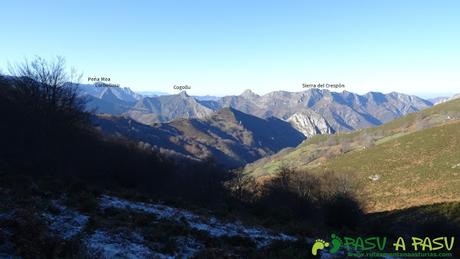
436 220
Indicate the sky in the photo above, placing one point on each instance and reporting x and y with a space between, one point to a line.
222 47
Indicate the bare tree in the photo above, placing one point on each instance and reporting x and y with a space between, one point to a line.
284 176
306 185
242 186
49 86
52 73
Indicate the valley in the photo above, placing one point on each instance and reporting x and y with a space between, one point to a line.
229 137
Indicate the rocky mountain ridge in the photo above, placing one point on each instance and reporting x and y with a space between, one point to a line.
334 111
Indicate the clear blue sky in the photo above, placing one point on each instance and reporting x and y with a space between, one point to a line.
224 47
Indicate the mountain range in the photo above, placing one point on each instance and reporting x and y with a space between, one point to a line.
311 112
240 129
110 100
444 99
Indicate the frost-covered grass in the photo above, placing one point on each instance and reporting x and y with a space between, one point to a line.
210 225
108 245
66 222
120 243
120 228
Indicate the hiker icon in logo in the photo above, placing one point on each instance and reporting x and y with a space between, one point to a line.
321 244
318 245
336 243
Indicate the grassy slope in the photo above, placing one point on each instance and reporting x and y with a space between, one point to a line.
415 169
413 157
310 153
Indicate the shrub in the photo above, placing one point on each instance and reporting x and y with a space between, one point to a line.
302 195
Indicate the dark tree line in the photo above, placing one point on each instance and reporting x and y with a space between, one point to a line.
325 199
45 132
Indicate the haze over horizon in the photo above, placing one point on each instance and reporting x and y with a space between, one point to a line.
222 48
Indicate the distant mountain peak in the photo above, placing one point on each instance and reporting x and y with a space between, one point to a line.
318 91
108 95
249 94
184 94
378 97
